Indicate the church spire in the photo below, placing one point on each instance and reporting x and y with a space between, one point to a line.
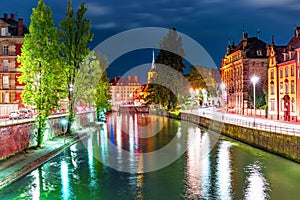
153 60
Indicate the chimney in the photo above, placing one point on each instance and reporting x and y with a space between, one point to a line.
20 27
135 78
5 17
12 16
129 78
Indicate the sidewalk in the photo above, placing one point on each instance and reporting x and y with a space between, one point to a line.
20 164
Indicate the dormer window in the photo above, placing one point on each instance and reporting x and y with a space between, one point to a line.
259 52
3 31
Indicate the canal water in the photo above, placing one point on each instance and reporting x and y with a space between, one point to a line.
150 157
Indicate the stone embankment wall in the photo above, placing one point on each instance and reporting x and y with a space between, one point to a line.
15 138
285 145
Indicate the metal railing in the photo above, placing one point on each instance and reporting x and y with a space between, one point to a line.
250 122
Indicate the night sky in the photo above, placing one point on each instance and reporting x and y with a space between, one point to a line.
210 22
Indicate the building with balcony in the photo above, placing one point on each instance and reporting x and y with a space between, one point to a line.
284 80
240 63
11 39
124 91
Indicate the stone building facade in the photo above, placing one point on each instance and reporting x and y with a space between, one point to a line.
241 62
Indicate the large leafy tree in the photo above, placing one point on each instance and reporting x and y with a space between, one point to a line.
167 84
91 83
76 34
102 94
41 67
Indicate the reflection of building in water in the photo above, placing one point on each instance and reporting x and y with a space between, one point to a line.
193 165
224 171
125 90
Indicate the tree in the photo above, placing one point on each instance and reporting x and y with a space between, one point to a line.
102 94
75 32
167 84
91 86
85 83
41 67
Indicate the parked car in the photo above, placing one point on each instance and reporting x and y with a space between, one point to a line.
26 113
14 115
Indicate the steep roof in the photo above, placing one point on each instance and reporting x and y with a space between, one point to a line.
13 26
253 46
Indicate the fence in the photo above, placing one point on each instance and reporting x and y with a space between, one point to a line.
250 122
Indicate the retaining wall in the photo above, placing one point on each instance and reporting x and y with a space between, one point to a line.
15 138
285 145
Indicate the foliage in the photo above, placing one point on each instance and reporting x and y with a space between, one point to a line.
91 86
85 82
259 95
203 77
163 89
75 35
102 95
41 67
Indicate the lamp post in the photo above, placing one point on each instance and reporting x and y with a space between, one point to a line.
254 80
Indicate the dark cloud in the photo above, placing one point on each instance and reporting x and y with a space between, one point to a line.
210 22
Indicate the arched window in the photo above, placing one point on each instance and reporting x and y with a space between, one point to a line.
272 87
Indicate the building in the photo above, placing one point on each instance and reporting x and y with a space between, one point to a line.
241 62
152 72
125 91
11 40
284 80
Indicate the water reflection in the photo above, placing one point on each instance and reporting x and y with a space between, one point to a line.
230 171
65 182
224 170
193 166
257 185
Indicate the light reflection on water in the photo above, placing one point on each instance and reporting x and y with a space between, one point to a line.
230 171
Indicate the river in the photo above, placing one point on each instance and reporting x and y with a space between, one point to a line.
149 157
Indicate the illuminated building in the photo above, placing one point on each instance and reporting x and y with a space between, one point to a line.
11 40
241 62
125 90
283 80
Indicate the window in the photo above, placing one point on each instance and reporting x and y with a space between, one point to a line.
6 97
287 71
272 88
272 74
272 105
3 31
281 88
282 104
298 73
292 87
286 87
298 57
292 70
5 65
5 82
259 52
5 50
281 73
293 105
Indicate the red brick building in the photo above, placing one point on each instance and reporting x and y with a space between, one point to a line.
11 39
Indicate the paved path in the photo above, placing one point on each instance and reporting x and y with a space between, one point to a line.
292 128
20 164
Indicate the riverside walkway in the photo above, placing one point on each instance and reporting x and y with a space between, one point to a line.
284 127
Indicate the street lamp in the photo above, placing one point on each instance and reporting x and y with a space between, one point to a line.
254 80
